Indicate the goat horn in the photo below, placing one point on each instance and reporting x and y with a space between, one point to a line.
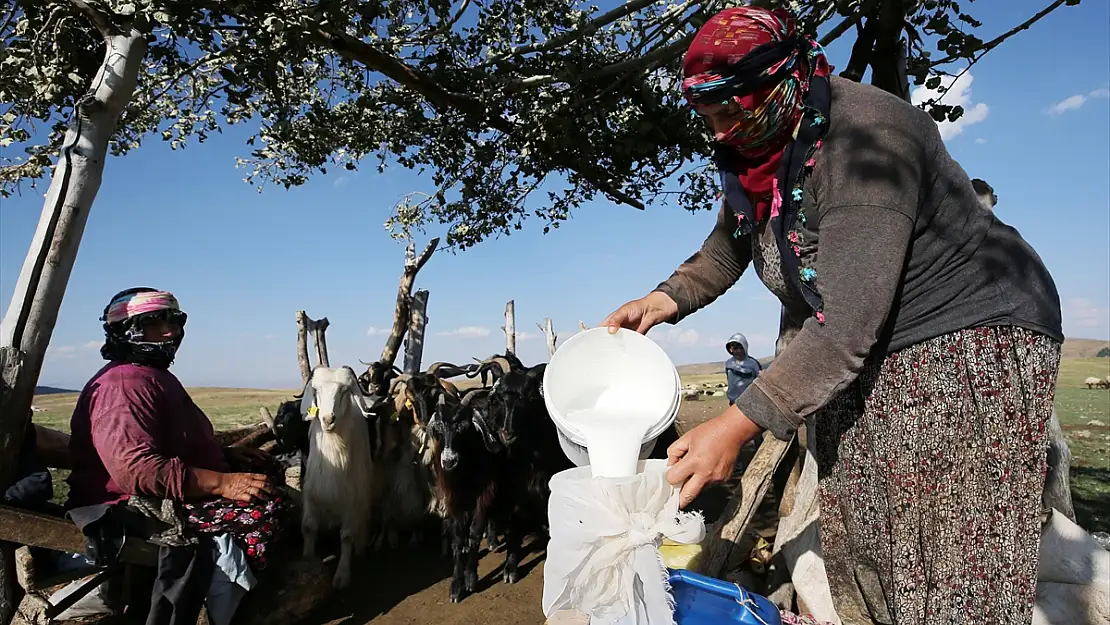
267 418
501 362
436 366
397 381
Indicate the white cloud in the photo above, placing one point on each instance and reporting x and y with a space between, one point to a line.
980 141
467 332
1076 102
69 352
372 331
958 94
340 181
1083 313
677 337
527 336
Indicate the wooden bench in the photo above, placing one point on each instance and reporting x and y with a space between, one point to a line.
42 531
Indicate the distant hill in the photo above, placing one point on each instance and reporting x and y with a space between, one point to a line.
1083 348
1073 348
50 390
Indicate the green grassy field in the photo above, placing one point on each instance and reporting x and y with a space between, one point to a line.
1084 415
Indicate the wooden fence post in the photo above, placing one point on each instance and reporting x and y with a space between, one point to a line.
510 327
302 346
401 315
548 330
414 342
318 327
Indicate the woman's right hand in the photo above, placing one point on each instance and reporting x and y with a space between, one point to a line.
642 314
244 487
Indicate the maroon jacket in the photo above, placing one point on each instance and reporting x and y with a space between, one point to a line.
134 432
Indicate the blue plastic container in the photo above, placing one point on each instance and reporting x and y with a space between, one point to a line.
701 600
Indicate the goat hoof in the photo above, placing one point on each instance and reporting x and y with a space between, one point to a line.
341 580
471 581
511 576
457 592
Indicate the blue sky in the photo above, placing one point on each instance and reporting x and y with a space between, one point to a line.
241 263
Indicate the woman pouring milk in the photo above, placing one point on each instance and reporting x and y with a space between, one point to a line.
928 332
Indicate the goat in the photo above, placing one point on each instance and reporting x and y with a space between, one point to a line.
403 475
468 466
338 470
290 428
533 456
377 378
1093 382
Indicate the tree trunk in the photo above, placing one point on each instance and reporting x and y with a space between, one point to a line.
418 321
582 327
401 319
548 330
319 327
29 323
510 327
888 61
302 346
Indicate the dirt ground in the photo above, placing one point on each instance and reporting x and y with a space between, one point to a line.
393 590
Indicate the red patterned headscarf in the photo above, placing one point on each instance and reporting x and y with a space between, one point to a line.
757 59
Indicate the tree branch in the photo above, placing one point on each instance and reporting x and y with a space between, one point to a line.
99 18
573 35
855 18
997 41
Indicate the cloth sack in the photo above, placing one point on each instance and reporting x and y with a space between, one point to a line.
603 557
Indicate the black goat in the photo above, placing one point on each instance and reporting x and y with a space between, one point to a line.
290 428
469 466
377 378
532 457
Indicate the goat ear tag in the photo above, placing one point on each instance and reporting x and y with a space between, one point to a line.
408 404
313 411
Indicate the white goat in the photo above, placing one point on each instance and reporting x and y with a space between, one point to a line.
338 471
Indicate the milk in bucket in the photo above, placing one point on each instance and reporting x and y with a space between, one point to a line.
611 396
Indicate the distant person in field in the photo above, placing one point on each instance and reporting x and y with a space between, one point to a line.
928 331
741 369
139 440
985 193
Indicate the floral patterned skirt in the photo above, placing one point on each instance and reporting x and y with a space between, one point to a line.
254 526
932 465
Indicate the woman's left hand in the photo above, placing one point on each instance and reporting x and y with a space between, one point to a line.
707 453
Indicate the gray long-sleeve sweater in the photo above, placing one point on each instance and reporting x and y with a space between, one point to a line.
905 255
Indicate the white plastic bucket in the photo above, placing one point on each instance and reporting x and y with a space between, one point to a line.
594 361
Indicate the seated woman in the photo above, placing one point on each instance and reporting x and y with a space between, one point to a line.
139 441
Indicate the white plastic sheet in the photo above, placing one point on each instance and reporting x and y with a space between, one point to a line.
603 557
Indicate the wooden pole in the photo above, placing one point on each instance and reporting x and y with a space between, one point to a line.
739 511
413 264
318 327
548 330
29 323
414 342
302 346
510 327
